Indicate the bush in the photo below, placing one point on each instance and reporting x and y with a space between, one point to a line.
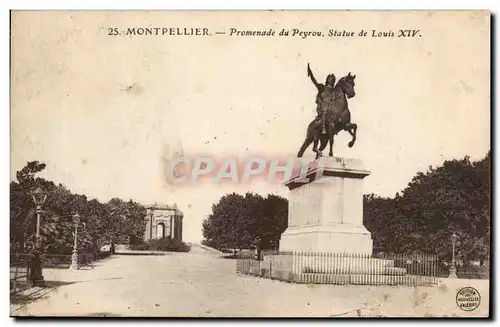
163 244
466 272
472 272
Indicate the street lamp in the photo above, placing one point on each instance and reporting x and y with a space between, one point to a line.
74 256
39 197
151 226
453 268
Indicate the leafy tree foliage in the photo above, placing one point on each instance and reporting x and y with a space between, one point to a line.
452 198
246 221
101 223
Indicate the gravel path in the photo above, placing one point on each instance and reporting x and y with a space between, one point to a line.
200 284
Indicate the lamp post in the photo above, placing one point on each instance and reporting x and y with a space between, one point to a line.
39 197
74 256
453 268
151 225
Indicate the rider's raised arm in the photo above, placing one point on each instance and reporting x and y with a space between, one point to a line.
310 74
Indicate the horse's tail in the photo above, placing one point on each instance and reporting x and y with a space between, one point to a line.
312 125
309 137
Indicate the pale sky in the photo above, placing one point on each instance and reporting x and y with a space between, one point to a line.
103 112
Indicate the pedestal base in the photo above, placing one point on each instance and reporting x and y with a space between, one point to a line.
38 280
36 274
74 261
325 209
453 272
333 239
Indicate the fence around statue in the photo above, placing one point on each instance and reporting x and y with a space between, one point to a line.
342 268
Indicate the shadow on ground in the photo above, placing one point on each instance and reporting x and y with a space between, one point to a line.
142 253
24 299
57 283
87 267
101 314
97 280
31 295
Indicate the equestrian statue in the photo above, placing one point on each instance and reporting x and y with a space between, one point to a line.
333 113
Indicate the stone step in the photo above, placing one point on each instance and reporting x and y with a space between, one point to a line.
357 271
340 279
363 279
390 271
332 264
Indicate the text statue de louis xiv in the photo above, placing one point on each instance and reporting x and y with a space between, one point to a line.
333 113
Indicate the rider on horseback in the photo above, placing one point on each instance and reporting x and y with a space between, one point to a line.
338 116
324 91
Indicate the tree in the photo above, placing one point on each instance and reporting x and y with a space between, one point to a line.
100 223
454 197
221 228
275 221
246 221
135 224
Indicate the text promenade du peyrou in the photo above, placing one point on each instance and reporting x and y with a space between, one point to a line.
234 32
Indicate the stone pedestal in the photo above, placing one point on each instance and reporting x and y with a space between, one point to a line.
325 210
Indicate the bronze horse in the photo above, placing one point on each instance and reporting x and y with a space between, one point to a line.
338 118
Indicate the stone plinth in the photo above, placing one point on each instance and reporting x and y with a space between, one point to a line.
333 264
325 208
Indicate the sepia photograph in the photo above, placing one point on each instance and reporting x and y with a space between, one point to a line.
250 164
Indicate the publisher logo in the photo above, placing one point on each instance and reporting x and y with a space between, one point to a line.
468 299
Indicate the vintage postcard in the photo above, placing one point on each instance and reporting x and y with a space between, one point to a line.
250 164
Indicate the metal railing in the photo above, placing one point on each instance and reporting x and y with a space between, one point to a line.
20 265
19 275
60 260
86 259
48 260
342 268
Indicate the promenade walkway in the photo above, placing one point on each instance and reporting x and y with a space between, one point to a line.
200 284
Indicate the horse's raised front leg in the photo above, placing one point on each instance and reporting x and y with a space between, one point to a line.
352 129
